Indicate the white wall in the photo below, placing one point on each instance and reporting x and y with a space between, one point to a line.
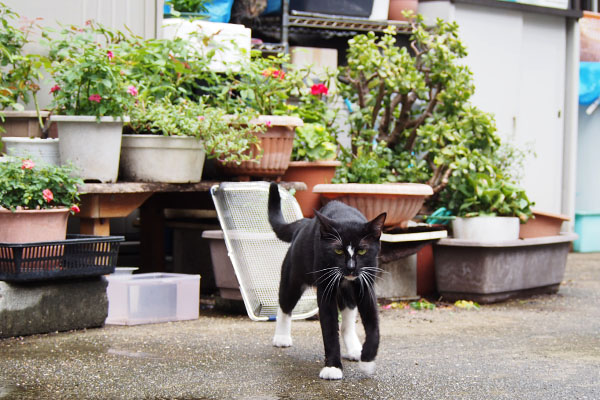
142 17
518 60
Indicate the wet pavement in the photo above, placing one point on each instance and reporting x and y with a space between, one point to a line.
546 347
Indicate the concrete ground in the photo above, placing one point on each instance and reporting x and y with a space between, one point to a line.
546 347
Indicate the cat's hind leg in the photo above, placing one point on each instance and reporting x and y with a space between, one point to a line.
289 294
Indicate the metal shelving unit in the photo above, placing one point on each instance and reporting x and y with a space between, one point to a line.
313 23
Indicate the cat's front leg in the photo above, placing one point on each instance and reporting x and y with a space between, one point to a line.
283 330
328 318
349 336
367 308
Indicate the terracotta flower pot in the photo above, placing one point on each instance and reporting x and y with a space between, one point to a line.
23 226
544 224
26 226
397 6
277 143
401 201
312 173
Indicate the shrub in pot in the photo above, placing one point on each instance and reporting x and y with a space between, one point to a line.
19 83
411 119
91 96
168 141
315 147
35 200
265 85
21 72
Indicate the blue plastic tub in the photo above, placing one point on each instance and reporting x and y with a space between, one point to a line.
587 227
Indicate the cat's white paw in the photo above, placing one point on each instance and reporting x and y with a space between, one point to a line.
331 373
282 340
353 353
367 367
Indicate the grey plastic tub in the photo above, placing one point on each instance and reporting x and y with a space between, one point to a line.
492 272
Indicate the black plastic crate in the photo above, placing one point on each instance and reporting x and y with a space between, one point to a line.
77 256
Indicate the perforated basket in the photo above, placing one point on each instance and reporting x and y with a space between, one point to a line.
254 250
77 256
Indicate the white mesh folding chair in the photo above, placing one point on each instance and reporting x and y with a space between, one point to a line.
254 250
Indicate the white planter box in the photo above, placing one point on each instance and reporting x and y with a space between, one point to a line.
152 297
92 147
231 42
486 229
38 149
154 158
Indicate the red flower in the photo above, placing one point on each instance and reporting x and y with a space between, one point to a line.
47 195
110 54
27 164
318 89
54 88
75 209
95 97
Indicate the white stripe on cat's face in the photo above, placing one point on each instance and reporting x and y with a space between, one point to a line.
350 251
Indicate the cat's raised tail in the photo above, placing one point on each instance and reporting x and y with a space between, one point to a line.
283 230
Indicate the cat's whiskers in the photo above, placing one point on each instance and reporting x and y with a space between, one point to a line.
361 283
321 270
369 280
333 282
375 271
327 275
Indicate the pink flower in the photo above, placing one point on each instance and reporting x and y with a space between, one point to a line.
132 90
110 54
27 164
47 195
95 97
54 88
268 124
200 118
318 89
75 209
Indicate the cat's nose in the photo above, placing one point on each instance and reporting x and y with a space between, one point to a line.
351 265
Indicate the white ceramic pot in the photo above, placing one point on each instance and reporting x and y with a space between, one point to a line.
38 149
155 158
92 146
486 229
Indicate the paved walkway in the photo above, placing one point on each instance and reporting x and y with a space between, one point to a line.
547 347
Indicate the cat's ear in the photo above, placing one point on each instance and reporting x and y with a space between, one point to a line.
325 224
375 226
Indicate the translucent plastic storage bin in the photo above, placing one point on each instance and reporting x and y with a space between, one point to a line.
152 297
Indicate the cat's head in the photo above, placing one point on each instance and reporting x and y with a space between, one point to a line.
350 248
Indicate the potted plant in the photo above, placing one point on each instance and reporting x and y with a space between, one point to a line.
315 145
35 201
91 96
265 84
167 141
488 207
22 130
485 262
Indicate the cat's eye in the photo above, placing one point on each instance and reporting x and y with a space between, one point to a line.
339 251
362 252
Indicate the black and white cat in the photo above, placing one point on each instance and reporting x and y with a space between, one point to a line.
336 251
